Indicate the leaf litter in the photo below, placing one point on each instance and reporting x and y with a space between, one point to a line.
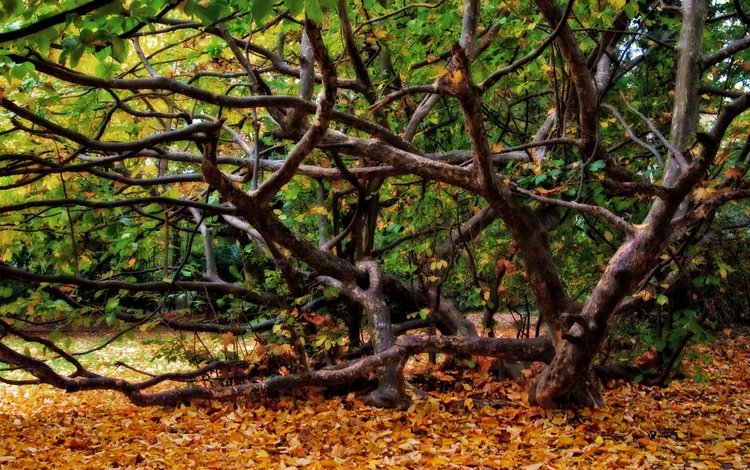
472 422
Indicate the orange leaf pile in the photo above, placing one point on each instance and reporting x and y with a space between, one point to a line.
475 422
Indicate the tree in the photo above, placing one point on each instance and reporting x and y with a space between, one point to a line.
404 163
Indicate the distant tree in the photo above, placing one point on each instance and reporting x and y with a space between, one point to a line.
393 163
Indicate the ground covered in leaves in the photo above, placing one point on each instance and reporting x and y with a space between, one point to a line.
465 422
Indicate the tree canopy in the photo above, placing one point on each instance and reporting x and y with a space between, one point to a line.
291 171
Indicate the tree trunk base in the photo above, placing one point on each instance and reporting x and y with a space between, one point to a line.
587 393
387 398
391 391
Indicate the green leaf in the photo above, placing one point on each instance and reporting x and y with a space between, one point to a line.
631 8
313 11
330 292
9 8
111 305
71 42
106 70
261 9
20 71
597 165
295 7
208 12
119 49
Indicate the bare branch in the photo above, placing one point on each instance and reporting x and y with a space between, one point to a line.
596 211
588 100
632 135
726 52
496 76
314 133
509 349
121 203
51 21
676 152
397 12
186 133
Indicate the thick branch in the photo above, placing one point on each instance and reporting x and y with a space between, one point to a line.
588 100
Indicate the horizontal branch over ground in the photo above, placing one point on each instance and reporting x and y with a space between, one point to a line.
536 349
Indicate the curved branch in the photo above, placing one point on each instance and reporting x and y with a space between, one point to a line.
191 132
203 327
496 76
314 133
167 84
53 20
632 135
588 99
596 211
122 203
401 10
726 52
218 287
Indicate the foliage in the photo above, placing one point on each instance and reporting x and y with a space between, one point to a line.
293 170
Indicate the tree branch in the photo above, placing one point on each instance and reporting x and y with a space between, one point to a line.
53 20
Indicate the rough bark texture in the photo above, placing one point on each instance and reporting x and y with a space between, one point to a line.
560 383
390 392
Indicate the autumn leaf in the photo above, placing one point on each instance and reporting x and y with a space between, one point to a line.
545 191
227 339
701 424
318 210
733 173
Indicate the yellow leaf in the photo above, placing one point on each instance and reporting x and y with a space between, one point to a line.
51 183
318 210
438 71
645 295
545 191
6 237
701 194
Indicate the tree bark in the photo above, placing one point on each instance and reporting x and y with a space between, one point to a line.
560 383
391 392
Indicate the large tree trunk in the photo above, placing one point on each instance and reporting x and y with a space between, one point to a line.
390 392
560 383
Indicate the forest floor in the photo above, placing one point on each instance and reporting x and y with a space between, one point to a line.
471 421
